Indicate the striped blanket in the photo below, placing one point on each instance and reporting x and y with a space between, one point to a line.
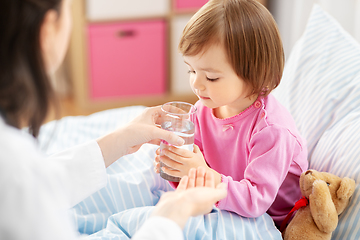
118 210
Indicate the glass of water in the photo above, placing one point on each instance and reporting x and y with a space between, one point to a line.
178 118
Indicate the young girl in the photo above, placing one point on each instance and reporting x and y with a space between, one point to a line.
248 139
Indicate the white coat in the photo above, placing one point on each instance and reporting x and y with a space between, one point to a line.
36 191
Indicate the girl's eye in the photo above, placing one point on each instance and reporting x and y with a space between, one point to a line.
212 79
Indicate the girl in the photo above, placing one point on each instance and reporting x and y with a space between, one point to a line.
36 191
243 134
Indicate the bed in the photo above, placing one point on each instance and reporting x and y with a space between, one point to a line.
320 87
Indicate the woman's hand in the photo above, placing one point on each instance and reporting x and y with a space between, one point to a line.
128 139
180 161
195 195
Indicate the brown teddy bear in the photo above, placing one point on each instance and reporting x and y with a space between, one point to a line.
327 196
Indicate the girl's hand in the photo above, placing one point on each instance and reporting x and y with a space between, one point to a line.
181 161
157 161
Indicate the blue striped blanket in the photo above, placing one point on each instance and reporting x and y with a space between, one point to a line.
118 210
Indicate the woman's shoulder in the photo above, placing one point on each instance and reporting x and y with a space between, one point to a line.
16 146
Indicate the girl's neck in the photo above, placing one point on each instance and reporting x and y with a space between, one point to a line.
229 111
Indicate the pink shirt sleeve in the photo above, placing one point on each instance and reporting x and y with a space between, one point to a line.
271 153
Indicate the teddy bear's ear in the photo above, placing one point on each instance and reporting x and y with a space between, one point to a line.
346 189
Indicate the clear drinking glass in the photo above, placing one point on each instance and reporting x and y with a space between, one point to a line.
178 119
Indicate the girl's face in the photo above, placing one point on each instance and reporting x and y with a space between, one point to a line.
55 35
216 84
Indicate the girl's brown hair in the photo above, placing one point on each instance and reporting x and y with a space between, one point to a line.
250 35
25 88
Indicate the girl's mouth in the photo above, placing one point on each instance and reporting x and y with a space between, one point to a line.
203 98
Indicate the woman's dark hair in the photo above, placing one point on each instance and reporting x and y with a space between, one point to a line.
26 92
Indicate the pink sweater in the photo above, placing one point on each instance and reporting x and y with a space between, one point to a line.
260 155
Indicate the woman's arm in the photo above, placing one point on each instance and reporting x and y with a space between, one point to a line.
82 168
128 139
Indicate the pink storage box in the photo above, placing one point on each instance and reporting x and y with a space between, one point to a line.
182 5
127 59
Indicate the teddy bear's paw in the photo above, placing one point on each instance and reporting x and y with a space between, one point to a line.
322 207
346 189
320 187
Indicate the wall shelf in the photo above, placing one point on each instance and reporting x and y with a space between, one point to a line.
81 51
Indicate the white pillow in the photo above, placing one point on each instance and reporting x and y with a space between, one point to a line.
321 89
338 152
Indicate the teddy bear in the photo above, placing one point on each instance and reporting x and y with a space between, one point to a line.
325 198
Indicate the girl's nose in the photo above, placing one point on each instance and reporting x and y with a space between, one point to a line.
197 83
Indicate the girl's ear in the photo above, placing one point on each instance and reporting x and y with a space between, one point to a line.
346 189
48 35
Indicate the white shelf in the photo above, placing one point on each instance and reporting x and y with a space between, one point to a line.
101 10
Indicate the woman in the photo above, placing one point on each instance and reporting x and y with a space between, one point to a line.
35 192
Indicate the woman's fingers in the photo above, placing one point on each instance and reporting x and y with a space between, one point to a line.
209 179
200 177
183 184
168 136
192 178
155 141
